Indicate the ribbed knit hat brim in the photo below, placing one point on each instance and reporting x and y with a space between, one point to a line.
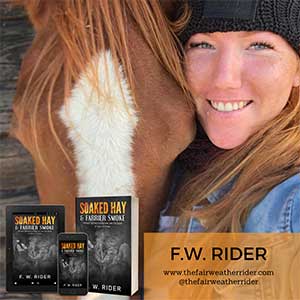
279 16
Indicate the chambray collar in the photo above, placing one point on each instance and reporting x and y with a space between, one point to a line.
218 194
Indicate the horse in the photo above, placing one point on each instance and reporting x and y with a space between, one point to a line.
102 104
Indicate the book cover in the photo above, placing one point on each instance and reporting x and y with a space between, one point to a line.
111 224
72 264
31 247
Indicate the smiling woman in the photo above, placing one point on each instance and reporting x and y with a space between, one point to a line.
232 75
243 69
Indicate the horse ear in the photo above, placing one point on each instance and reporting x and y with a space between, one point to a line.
38 11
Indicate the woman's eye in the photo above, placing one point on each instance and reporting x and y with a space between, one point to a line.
202 45
261 46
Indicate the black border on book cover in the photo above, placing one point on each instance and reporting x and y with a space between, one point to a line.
59 225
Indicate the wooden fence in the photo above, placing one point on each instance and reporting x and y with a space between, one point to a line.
17 184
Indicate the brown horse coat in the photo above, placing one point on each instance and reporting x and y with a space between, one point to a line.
113 152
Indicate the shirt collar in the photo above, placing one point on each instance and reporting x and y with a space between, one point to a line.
218 194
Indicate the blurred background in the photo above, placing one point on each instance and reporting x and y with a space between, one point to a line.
17 184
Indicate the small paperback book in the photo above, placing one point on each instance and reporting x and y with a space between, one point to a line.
111 224
31 247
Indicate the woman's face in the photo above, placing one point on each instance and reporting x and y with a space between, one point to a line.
240 81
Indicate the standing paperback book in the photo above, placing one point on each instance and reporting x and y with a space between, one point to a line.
31 247
111 224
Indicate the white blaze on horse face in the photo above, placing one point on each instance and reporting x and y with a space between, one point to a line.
101 125
240 81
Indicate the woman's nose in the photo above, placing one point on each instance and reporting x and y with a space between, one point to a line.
228 70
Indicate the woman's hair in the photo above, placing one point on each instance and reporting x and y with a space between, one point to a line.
68 36
269 157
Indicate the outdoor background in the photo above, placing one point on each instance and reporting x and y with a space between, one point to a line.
17 184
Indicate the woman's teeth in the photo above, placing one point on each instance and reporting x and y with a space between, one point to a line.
228 106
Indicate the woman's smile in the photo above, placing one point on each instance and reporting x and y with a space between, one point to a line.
229 106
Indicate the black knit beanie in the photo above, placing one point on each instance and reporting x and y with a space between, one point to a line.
279 16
